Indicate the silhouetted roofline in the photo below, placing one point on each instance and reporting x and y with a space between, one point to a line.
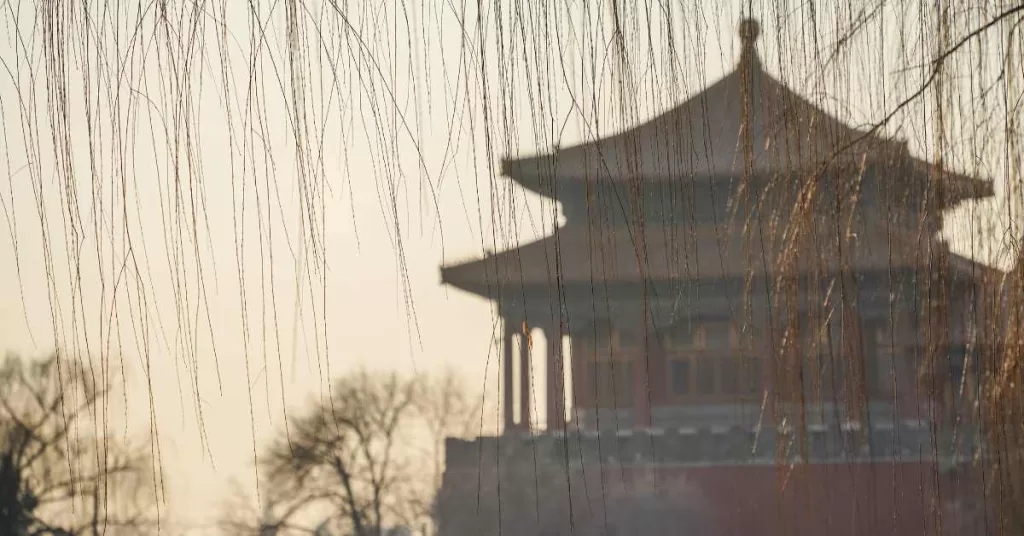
788 134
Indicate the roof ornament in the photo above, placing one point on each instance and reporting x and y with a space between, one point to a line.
750 29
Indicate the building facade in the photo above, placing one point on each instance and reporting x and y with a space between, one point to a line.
755 301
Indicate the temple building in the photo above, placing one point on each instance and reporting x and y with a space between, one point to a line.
751 300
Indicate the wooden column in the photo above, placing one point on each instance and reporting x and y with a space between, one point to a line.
857 394
641 396
508 387
556 380
525 372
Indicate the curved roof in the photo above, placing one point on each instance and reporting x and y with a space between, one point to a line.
748 112
746 122
596 255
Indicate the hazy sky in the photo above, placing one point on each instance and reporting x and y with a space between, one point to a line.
396 182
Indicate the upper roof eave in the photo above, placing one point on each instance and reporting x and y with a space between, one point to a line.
577 256
790 134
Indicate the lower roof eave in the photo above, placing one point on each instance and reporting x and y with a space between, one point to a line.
486 291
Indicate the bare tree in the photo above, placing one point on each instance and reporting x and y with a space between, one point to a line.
368 457
350 463
61 472
49 106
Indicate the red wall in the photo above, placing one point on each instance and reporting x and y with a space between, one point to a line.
819 500
855 499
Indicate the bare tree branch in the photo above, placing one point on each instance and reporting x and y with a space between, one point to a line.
56 480
937 64
352 459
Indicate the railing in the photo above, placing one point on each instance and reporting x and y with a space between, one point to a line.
905 442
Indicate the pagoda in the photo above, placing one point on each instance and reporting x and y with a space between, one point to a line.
752 292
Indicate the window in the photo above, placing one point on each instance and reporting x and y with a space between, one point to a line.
680 376
605 339
705 375
877 358
730 370
712 358
754 376
826 376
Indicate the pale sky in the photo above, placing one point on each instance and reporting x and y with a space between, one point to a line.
368 188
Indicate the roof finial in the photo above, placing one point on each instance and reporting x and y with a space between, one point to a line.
749 30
